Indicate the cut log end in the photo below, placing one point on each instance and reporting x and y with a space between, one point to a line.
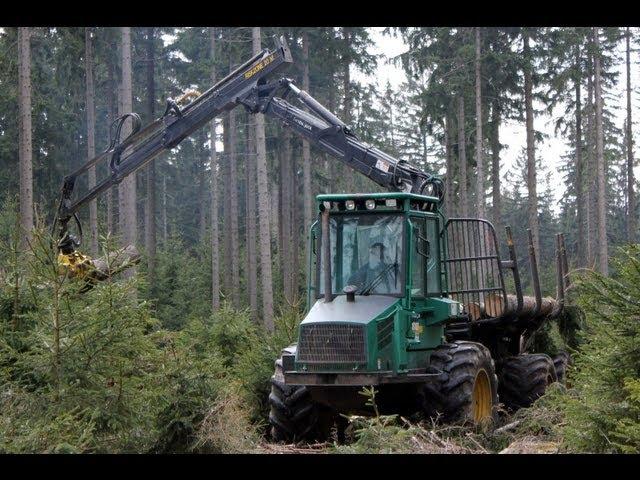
475 310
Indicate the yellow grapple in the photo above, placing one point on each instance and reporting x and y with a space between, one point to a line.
75 264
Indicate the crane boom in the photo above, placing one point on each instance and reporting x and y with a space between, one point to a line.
245 86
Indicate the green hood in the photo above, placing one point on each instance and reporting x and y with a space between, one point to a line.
363 310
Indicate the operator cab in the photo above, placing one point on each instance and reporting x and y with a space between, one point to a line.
370 248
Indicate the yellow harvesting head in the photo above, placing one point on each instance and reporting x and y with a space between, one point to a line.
75 264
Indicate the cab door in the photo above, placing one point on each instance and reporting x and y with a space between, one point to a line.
418 259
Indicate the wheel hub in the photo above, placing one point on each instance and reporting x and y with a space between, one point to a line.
482 398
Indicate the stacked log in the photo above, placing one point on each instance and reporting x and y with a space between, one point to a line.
495 305
475 310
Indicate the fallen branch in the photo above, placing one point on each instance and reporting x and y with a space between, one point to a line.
508 427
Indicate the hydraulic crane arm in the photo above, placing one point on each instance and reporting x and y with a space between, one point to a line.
245 86
324 130
143 145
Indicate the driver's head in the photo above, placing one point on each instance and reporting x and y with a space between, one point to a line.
376 254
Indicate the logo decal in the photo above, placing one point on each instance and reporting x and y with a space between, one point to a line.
259 66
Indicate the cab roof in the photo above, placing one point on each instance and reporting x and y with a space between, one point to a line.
337 197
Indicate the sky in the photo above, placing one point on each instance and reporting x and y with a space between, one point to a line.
512 134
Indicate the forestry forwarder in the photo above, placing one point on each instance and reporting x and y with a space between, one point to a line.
399 297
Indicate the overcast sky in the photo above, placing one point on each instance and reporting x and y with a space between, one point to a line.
512 134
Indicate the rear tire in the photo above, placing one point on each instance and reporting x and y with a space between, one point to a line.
293 416
468 391
524 379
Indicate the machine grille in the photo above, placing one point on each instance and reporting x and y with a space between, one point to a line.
332 343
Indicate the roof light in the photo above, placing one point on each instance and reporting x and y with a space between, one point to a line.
390 202
350 205
370 204
429 190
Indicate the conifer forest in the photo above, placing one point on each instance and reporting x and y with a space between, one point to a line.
284 236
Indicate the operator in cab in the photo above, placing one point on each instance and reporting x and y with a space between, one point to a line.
373 276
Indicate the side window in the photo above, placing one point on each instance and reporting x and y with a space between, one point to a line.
419 263
433 264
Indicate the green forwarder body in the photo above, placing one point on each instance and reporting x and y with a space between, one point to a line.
383 339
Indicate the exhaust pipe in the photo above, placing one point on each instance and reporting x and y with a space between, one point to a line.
326 251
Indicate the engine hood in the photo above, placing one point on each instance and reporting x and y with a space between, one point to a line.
363 310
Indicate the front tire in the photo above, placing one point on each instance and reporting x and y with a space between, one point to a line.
468 391
293 416
525 378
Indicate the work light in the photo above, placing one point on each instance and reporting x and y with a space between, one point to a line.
370 204
350 205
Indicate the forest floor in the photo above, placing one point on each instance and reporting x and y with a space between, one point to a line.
529 431
527 445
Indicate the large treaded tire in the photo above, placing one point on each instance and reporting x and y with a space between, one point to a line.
524 379
451 399
293 416
561 362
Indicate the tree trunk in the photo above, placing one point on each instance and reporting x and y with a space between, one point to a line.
91 136
233 205
25 154
276 220
227 277
479 153
580 200
290 228
603 256
112 113
286 202
347 105
251 248
295 229
449 207
631 195
306 148
531 153
114 262
215 242
280 207
332 171
495 166
590 166
203 155
263 209
165 228
462 159
150 204
127 189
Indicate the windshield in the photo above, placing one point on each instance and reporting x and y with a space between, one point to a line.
366 251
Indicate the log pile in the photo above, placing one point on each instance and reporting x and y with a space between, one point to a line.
475 310
495 305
